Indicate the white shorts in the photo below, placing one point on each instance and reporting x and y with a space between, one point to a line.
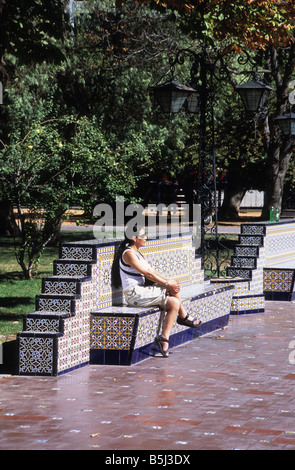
146 296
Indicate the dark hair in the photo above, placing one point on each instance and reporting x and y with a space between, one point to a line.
116 277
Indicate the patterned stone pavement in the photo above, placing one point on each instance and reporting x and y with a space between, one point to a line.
231 389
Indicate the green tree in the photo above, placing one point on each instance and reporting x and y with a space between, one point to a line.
50 160
265 28
31 32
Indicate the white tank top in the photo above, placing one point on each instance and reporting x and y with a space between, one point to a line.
130 277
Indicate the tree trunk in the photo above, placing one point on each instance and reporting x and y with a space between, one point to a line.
234 192
279 157
279 149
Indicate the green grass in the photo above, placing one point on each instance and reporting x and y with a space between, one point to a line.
17 295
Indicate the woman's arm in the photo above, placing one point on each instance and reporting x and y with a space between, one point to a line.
151 274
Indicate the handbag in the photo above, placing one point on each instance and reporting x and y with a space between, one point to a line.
148 282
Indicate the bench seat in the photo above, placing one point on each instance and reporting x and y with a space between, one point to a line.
123 335
57 338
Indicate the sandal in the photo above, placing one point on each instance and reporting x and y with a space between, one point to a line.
188 322
159 340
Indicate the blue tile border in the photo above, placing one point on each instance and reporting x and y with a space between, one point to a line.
132 357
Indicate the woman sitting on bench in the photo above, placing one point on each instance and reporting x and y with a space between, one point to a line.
145 287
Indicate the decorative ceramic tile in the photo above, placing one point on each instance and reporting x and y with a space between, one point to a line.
280 241
251 240
113 332
248 304
242 287
172 257
278 280
72 269
77 253
36 355
149 327
105 256
61 286
73 346
51 325
244 262
241 250
239 272
252 229
55 305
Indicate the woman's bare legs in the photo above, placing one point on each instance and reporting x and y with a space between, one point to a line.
172 309
181 311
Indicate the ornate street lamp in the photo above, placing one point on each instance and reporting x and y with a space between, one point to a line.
254 95
198 97
172 95
193 102
287 124
287 121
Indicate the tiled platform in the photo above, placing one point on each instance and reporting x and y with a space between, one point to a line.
58 338
230 389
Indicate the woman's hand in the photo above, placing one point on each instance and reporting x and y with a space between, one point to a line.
173 286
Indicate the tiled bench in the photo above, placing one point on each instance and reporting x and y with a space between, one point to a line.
125 335
59 336
279 269
263 266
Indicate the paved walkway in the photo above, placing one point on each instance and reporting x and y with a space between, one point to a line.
231 389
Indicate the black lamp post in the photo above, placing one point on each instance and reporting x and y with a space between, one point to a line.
254 95
197 97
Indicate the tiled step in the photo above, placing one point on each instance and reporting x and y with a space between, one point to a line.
242 286
255 229
244 273
256 240
45 322
56 304
78 252
61 285
243 300
44 329
244 262
244 269
246 250
252 303
71 268
38 353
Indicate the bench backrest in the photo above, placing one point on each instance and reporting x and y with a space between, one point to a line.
280 242
174 257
